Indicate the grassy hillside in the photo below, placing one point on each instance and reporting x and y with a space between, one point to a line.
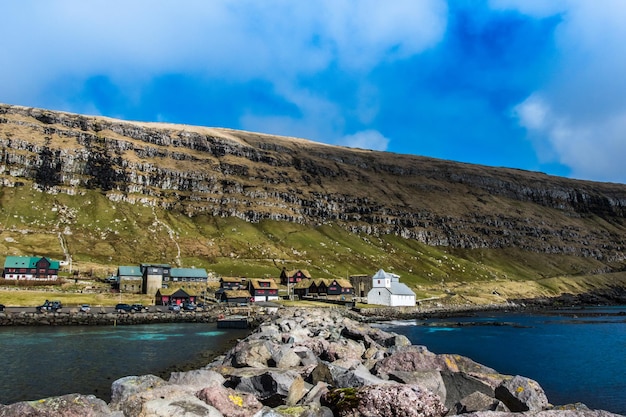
100 234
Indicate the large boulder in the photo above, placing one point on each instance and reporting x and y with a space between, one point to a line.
431 380
478 401
459 385
230 402
343 349
188 407
285 357
384 401
271 386
126 393
197 379
253 353
522 394
71 405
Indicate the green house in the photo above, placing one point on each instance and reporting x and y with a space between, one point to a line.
30 268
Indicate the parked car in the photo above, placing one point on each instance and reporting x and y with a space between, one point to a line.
175 308
189 307
50 306
2 307
85 308
138 308
123 308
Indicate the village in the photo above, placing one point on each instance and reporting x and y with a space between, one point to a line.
171 286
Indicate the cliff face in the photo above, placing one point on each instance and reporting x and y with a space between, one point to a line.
252 176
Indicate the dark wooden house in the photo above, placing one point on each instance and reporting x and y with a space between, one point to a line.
340 287
235 297
169 296
263 289
232 283
293 276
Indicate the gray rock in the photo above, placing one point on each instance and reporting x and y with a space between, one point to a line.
315 394
71 405
229 402
285 357
198 379
357 377
478 402
459 385
522 394
306 355
385 401
126 392
269 386
431 380
250 353
189 407
343 349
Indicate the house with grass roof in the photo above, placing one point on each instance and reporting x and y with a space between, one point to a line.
340 288
235 297
30 268
171 296
262 289
294 276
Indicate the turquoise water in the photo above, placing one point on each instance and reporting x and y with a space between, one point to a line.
39 362
575 355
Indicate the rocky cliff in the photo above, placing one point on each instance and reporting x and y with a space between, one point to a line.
195 170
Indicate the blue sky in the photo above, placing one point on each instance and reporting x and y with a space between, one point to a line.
530 84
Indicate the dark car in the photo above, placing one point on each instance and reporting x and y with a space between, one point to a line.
138 308
2 307
50 306
123 308
189 307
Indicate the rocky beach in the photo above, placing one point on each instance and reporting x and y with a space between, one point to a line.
318 362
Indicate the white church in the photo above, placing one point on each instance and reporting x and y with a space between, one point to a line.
387 290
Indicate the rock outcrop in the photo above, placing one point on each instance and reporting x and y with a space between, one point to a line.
286 368
254 177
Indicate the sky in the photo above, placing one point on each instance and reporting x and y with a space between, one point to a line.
531 84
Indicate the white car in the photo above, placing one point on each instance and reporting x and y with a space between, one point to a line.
85 308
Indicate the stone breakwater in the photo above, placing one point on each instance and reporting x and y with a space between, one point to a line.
318 362
71 318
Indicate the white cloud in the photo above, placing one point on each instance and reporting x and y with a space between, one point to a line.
227 39
276 41
366 139
579 116
532 113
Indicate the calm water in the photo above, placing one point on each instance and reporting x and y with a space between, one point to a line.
39 362
579 356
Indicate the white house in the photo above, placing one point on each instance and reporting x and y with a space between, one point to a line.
389 291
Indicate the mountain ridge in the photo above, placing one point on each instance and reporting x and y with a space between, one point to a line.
212 173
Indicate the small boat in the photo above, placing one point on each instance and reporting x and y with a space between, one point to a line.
233 322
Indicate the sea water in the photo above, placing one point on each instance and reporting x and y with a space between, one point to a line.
576 355
39 362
